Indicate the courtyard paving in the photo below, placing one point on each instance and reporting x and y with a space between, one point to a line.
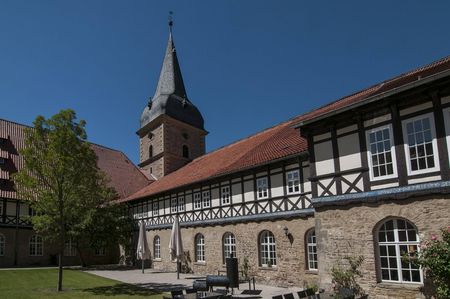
166 281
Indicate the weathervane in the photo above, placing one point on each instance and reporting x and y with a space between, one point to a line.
170 21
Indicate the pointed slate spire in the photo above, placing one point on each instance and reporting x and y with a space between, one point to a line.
170 97
170 78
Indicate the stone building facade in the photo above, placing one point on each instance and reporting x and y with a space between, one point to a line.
367 175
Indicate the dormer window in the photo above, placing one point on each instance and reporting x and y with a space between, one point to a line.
185 151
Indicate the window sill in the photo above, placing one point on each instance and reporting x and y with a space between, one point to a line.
200 263
314 272
157 260
400 285
265 268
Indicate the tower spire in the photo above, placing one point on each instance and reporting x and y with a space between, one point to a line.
170 97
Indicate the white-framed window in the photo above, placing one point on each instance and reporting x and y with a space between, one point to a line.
225 195
311 247
229 246
100 251
2 245
36 246
293 181
181 204
31 212
173 205
398 239
262 188
157 247
155 209
206 199
267 250
446 113
199 248
381 153
70 248
197 201
420 144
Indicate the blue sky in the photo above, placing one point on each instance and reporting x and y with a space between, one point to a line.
247 65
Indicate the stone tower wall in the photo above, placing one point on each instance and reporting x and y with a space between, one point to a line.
177 134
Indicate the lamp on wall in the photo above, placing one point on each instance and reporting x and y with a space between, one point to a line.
286 231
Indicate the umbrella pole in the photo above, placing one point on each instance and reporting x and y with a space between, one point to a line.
178 269
142 266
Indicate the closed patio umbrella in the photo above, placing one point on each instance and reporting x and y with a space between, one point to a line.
142 252
175 244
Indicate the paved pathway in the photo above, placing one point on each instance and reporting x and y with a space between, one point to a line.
166 281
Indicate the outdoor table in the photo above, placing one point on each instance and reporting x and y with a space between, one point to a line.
203 295
327 296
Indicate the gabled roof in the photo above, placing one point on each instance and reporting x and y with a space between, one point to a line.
124 176
416 77
279 141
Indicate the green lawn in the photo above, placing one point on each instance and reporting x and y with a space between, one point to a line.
41 283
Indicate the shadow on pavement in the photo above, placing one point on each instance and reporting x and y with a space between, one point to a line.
121 289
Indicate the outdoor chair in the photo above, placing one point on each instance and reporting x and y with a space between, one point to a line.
288 296
177 294
310 293
277 297
190 291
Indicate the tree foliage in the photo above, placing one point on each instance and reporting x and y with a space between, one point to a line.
61 180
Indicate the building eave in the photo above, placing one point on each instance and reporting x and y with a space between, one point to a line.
375 98
396 193
303 213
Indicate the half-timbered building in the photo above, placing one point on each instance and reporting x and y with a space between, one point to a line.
365 175
19 243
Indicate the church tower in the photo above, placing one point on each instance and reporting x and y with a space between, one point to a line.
171 128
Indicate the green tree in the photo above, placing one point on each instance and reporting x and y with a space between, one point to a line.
61 180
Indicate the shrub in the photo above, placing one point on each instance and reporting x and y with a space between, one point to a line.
434 257
344 276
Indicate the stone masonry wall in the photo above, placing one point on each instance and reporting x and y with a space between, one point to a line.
349 231
155 138
177 134
290 269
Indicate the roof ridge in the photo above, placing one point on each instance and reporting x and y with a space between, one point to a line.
16 123
380 84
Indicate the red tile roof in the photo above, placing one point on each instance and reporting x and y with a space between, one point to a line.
271 144
274 143
124 176
380 88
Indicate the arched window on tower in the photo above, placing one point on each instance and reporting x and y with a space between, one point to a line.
150 151
185 151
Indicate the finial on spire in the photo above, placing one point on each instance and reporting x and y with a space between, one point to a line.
170 21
